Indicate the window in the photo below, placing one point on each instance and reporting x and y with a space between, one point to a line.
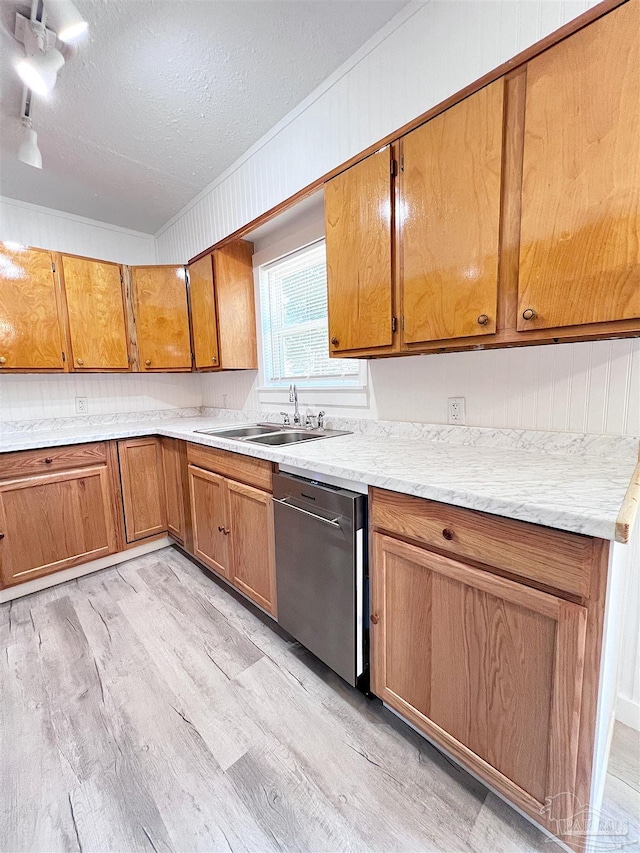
295 337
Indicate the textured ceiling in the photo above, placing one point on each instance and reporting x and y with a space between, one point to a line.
164 95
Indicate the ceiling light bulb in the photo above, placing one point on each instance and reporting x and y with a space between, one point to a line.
39 72
29 152
66 20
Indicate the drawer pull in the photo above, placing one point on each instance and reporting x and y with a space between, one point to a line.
375 618
48 460
448 534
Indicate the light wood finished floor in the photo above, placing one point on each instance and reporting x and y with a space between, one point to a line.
145 708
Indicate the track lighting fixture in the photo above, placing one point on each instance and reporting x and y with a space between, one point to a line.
29 152
66 20
39 68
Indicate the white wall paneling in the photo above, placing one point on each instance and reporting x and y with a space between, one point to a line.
31 397
45 228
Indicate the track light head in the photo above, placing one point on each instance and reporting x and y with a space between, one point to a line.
40 71
66 20
29 152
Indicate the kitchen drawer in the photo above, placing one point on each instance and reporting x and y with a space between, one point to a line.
236 466
554 558
24 463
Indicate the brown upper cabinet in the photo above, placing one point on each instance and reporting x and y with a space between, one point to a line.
450 225
162 317
97 314
580 227
358 221
32 330
223 309
513 214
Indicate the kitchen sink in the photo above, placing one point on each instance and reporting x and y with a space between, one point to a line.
288 437
271 434
241 432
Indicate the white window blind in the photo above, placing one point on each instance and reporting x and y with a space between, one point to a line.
295 338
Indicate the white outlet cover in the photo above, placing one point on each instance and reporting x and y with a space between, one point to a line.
82 406
456 411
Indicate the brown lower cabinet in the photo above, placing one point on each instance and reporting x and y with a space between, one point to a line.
174 466
233 532
50 522
496 669
142 474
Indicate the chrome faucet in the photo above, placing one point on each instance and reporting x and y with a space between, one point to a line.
293 398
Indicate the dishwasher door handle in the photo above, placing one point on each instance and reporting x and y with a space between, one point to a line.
334 522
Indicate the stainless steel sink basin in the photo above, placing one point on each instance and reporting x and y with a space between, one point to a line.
271 434
288 437
241 432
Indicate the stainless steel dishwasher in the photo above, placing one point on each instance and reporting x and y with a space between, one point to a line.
321 571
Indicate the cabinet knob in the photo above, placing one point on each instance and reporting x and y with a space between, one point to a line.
528 314
1 535
80 361
335 342
48 460
375 618
3 360
448 534
148 362
214 359
483 319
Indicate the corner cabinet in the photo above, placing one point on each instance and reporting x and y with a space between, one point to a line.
162 318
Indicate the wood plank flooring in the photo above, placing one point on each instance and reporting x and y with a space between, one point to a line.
146 707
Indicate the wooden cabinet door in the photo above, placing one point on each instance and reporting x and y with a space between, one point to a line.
55 521
486 667
234 288
142 476
174 462
31 324
357 207
580 228
204 324
97 318
162 318
449 229
209 517
250 519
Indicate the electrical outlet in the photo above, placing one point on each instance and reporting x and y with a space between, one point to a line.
82 406
456 413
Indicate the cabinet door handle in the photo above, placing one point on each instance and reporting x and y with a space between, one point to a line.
214 358
528 314
148 362
448 534
375 618
483 319
80 361
3 360
335 342
1 535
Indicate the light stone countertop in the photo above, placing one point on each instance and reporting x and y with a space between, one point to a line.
571 482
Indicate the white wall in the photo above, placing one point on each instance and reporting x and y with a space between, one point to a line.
36 397
45 228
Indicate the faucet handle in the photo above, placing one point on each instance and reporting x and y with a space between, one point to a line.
321 420
285 418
